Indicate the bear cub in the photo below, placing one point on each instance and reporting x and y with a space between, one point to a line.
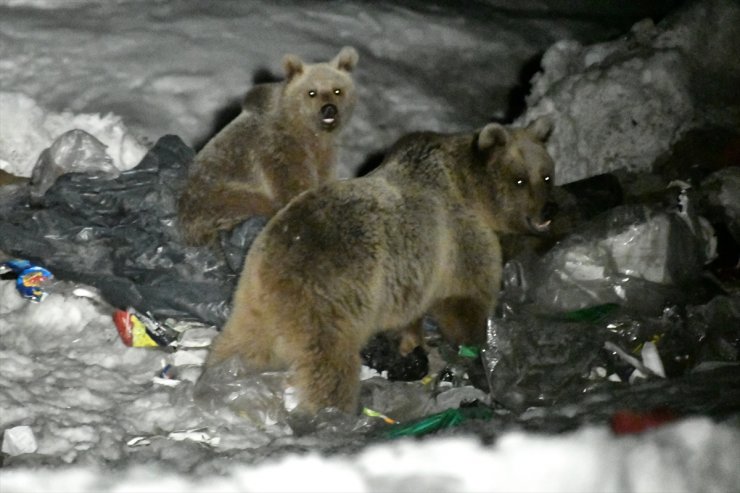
352 258
282 143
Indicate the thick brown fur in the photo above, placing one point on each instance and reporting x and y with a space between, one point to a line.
282 143
355 257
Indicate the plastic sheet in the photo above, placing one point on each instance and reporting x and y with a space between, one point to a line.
120 236
633 255
536 360
532 361
721 193
263 399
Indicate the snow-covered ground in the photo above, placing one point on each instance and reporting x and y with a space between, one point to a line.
88 411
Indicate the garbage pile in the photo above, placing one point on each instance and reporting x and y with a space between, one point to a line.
117 235
632 306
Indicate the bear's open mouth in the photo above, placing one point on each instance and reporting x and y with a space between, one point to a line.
539 226
329 115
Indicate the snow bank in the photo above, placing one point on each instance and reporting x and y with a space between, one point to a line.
623 103
26 129
693 455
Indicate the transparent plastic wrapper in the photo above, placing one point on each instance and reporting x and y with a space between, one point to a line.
633 255
717 325
536 359
533 360
266 402
264 399
75 151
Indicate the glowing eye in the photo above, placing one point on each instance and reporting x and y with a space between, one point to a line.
337 91
311 93
520 182
547 179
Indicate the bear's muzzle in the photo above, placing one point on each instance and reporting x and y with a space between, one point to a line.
329 114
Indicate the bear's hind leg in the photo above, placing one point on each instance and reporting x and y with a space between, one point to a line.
412 336
462 320
245 335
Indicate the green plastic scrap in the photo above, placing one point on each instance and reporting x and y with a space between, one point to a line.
592 313
469 351
445 419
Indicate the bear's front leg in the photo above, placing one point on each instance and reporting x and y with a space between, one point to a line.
327 373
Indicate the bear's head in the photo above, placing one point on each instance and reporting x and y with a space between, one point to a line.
320 95
520 175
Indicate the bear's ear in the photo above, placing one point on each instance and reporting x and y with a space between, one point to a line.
292 65
346 59
541 128
492 135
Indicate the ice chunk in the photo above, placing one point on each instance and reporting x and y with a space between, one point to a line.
624 103
19 440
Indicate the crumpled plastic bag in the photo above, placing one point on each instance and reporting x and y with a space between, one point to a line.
721 193
75 151
536 359
635 255
121 236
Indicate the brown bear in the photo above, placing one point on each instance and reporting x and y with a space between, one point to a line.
282 143
355 257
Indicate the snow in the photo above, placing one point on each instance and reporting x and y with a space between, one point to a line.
688 456
623 103
26 129
129 71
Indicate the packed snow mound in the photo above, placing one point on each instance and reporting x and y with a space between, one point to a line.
624 103
26 129
693 455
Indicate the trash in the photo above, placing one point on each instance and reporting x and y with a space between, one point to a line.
121 236
626 421
184 357
445 419
19 440
375 414
168 372
721 196
650 365
138 330
196 337
199 435
75 151
132 330
715 324
469 351
635 256
534 360
31 281
382 353
264 399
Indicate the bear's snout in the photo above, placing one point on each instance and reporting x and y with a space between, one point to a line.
549 211
329 114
